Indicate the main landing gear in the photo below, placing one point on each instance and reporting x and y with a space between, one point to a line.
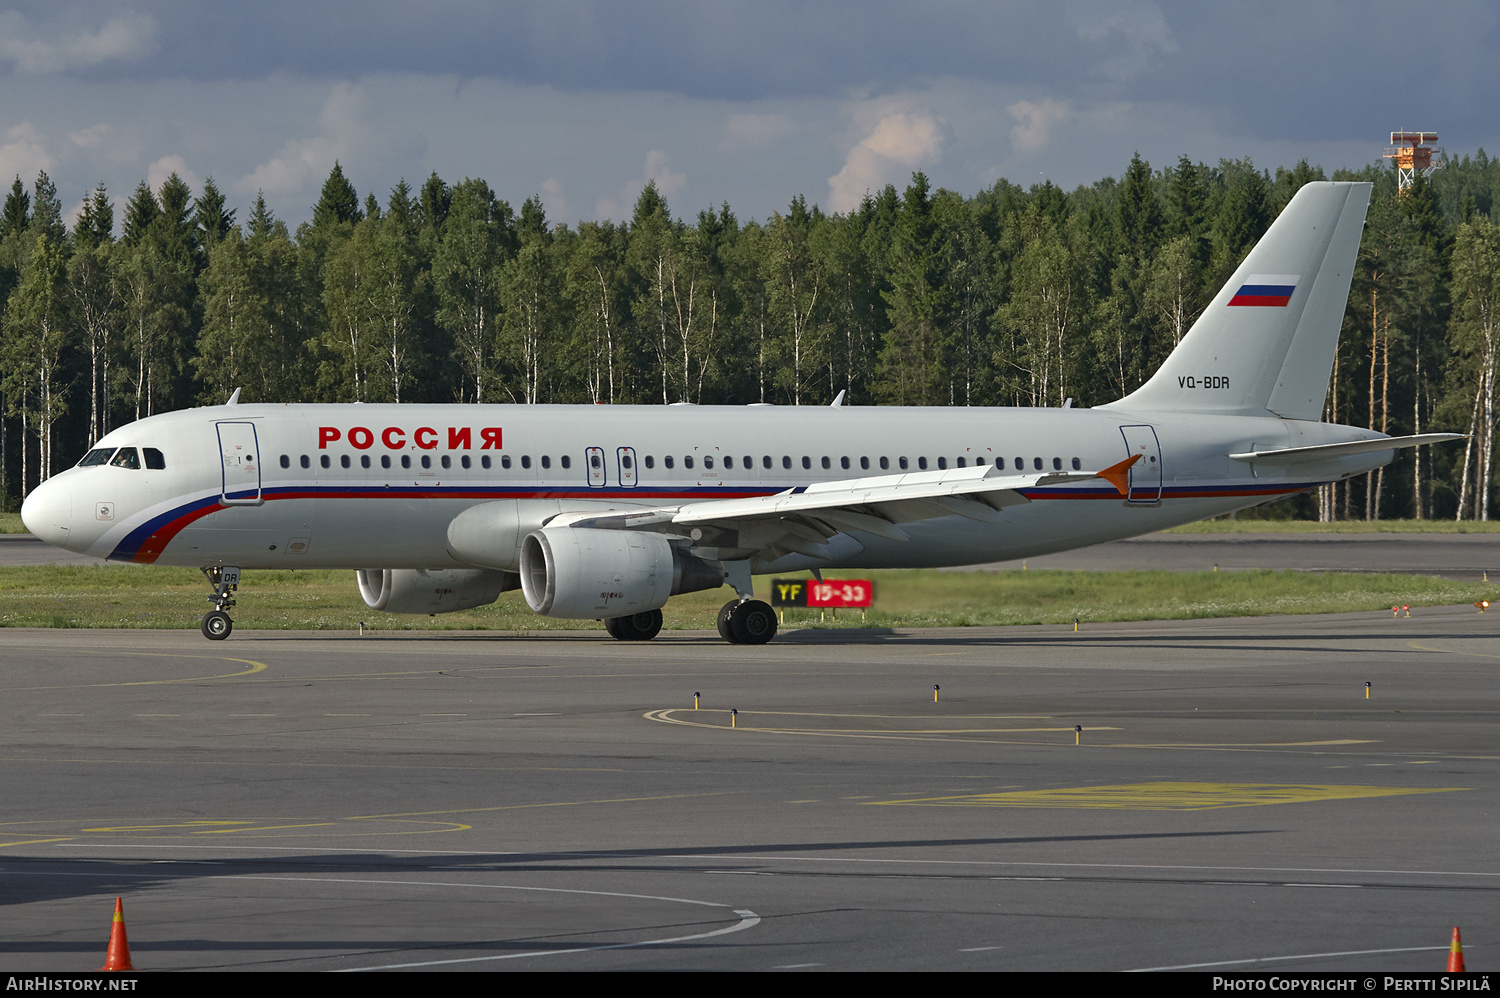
217 623
747 622
636 627
741 622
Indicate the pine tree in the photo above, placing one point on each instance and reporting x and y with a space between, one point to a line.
210 217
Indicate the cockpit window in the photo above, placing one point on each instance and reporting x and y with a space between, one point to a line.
127 458
96 456
154 459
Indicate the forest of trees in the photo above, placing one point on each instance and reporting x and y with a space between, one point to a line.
920 297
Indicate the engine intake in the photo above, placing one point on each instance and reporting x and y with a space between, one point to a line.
589 573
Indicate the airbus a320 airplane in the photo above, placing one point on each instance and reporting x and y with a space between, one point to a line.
605 513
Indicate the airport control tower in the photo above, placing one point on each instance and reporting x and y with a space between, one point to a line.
1413 156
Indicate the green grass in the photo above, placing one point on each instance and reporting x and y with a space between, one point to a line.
10 523
150 597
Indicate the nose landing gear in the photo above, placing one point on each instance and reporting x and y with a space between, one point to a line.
224 579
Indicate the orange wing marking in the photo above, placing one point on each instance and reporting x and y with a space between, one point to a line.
1118 475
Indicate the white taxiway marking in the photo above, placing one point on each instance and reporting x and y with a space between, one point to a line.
1277 959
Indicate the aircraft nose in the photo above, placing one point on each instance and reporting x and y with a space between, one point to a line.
48 512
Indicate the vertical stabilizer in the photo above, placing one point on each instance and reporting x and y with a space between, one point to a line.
1265 344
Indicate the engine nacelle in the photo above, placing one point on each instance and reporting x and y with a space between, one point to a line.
589 573
439 590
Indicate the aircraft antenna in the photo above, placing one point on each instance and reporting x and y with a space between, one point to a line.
1413 156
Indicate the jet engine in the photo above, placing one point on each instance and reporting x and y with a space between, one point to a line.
592 573
443 590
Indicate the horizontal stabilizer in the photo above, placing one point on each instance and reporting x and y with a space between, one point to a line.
1294 455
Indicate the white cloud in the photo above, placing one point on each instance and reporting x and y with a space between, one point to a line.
128 36
898 143
755 131
300 162
90 138
24 153
554 201
1035 121
668 182
158 172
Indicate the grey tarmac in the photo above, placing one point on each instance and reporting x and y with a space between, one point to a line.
296 801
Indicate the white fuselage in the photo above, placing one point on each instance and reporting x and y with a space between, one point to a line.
377 486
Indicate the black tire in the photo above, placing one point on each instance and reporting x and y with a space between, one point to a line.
217 625
754 623
636 627
726 615
643 626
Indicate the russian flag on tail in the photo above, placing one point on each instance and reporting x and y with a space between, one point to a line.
1273 290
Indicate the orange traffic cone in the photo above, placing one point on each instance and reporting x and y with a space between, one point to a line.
118 957
1456 954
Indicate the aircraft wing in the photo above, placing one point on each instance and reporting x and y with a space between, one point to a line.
802 520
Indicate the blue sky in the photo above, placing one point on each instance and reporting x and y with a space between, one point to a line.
581 102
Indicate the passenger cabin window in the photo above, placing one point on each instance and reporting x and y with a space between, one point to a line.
344 461
447 461
364 460
504 461
426 460
885 464
98 456
323 460
650 461
546 461
942 464
728 462
708 461
306 462
1057 464
126 457
1036 463
922 463
406 460
902 462
687 462
385 460
1077 464
667 461
786 461
484 461
286 462
526 460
